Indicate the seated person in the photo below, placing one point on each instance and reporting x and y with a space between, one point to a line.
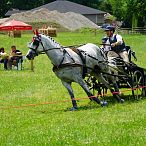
115 43
4 58
15 56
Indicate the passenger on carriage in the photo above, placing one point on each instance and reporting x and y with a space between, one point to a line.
114 43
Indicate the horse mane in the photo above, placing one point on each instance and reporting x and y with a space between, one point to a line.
56 43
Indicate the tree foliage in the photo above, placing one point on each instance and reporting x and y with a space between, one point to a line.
133 12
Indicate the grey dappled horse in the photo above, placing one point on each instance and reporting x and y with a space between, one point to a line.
68 65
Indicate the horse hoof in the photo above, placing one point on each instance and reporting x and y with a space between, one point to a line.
104 103
122 101
73 109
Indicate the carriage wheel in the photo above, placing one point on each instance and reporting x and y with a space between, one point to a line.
137 84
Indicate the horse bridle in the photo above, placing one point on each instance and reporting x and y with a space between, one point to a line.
36 42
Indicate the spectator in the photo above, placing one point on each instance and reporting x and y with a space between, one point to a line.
15 56
4 58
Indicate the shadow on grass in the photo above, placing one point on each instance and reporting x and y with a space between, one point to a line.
129 99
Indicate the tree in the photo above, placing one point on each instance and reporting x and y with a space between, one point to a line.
20 4
4 6
131 11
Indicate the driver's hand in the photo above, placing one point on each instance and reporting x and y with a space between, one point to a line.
113 44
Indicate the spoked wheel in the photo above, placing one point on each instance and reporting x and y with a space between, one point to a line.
138 83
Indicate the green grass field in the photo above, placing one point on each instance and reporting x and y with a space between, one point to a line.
34 111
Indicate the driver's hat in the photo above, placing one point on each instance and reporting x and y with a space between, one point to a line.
110 28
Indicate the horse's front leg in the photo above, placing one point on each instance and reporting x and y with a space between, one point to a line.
67 85
102 80
116 94
88 92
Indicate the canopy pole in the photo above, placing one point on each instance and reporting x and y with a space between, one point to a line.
31 65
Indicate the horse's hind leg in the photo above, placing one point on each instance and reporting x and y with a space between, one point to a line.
70 91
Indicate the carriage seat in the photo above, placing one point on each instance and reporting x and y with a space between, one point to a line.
130 53
118 59
118 62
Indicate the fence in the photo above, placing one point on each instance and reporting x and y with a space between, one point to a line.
15 34
49 31
135 30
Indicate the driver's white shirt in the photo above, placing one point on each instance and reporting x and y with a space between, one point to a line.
108 47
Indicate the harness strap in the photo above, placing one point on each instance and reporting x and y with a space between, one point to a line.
55 68
95 58
64 51
79 52
62 58
69 55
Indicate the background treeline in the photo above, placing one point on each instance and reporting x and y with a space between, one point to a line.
132 12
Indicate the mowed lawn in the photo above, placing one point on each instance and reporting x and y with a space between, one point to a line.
34 106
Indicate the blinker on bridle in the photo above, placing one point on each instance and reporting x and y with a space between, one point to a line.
36 42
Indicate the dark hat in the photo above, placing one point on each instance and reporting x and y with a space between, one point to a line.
110 28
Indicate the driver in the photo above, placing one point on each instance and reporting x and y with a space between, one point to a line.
114 42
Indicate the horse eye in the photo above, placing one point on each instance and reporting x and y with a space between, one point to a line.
36 43
33 39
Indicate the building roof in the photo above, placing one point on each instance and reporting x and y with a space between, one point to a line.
13 11
64 6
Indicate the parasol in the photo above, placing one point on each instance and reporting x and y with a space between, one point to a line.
13 25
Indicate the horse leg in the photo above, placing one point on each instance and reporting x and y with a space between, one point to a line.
102 80
67 85
116 94
88 92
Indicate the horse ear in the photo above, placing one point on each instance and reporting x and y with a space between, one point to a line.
36 32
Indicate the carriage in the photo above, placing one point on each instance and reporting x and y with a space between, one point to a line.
128 75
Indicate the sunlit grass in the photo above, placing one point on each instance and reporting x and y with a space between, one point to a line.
27 120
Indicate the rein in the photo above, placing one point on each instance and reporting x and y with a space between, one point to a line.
73 46
55 68
44 50
94 57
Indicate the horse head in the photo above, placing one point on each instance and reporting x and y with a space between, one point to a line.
34 46
40 43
